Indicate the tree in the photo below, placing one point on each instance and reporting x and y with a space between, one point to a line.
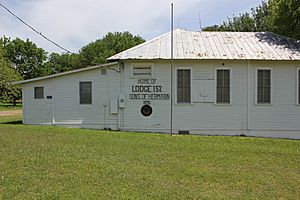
285 17
25 57
8 91
112 43
242 23
261 15
62 62
278 16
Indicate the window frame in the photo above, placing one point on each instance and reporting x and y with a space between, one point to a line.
191 80
256 85
34 92
297 86
91 102
230 85
141 65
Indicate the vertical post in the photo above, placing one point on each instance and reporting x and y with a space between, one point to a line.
172 52
53 101
248 95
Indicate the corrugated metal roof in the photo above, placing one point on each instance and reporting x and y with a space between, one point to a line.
216 45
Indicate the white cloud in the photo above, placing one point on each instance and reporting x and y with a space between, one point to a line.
74 23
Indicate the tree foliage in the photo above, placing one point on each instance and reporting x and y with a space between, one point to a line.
62 62
278 16
242 23
285 17
8 91
22 59
112 43
25 57
94 53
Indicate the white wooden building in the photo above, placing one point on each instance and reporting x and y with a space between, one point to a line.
224 83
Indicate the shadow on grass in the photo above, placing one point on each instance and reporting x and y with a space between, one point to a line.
8 105
12 122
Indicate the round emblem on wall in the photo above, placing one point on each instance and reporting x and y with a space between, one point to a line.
146 110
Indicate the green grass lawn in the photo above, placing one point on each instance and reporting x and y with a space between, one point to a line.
8 106
38 162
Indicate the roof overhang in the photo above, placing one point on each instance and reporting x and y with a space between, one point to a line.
64 73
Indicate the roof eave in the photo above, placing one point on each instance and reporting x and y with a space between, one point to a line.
64 73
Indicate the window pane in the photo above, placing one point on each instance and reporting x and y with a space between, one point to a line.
219 94
180 77
223 86
226 77
85 91
267 82
226 94
39 92
219 77
260 74
184 86
267 73
187 94
267 98
260 83
264 86
186 78
179 94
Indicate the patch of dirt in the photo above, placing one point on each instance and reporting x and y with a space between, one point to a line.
10 113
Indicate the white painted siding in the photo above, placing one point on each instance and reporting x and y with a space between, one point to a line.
37 111
209 118
241 116
66 110
194 116
283 113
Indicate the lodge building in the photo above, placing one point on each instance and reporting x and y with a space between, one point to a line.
221 83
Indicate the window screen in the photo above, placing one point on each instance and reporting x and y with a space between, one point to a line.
223 86
142 71
39 92
264 86
85 91
184 86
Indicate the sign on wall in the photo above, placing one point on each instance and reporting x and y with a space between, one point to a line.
148 89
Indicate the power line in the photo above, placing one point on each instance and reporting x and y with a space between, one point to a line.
34 29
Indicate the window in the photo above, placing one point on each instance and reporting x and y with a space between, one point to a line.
142 71
263 86
223 86
183 86
85 92
103 72
39 92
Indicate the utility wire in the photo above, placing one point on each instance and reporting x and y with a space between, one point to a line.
34 29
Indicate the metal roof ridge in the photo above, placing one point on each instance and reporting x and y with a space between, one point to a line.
139 46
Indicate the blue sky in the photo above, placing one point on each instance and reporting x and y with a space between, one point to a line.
75 23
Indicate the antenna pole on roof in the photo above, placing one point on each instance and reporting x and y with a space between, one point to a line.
200 25
172 51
